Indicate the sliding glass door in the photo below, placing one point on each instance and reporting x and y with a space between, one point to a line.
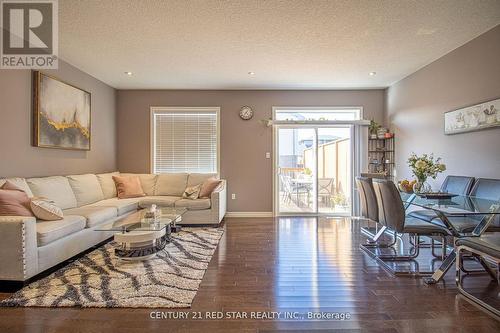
313 169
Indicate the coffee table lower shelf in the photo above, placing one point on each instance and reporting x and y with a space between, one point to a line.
141 245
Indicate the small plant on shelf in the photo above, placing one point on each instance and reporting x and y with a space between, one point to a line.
373 129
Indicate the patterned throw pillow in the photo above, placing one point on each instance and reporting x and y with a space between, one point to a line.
192 192
46 210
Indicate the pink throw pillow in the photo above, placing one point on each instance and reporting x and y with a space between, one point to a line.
208 186
14 201
128 187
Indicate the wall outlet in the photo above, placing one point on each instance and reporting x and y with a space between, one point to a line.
233 196
268 155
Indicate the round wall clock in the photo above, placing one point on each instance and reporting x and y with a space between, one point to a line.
246 113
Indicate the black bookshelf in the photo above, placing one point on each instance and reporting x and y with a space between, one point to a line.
381 156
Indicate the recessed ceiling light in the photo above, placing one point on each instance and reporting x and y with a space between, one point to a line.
373 73
251 73
128 73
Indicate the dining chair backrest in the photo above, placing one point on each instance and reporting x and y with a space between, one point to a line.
362 198
487 188
390 206
366 187
460 185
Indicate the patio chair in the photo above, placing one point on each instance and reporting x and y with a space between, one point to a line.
326 190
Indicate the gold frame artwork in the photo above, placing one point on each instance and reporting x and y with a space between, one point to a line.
60 133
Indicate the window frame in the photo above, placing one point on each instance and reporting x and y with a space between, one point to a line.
154 110
277 109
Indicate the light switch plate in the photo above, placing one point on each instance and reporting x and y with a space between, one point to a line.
268 155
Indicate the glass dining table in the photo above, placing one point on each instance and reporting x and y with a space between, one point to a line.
462 215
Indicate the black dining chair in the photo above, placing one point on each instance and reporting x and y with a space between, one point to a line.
482 248
460 185
392 214
369 210
483 188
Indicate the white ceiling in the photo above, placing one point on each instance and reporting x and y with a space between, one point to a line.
310 44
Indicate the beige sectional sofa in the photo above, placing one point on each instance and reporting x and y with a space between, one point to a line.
29 247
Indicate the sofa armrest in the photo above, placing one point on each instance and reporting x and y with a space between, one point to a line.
219 202
18 248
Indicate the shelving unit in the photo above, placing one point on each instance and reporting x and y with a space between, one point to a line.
381 157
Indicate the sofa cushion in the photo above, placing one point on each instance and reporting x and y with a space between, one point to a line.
94 214
86 188
122 205
49 231
19 182
108 186
161 201
148 181
172 184
199 178
196 204
55 188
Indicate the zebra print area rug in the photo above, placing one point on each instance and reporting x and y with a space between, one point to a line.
99 279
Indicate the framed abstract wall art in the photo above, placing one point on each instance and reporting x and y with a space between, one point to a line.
61 114
473 118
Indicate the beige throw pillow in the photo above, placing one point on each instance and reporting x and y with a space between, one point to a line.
192 192
46 210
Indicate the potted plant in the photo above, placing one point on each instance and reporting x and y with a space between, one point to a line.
423 167
373 129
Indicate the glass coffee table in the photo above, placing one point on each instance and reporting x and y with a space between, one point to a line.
139 237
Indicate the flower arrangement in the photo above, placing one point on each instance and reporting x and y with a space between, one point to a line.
423 167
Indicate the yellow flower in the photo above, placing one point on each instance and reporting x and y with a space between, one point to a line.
420 164
442 167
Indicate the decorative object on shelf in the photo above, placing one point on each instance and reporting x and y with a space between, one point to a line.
61 114
267 122
423 167
388 135
381 132
473 118
246 113
373 128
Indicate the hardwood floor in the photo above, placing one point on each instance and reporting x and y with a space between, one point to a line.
293 265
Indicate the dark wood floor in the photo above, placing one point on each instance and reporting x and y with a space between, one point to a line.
288 264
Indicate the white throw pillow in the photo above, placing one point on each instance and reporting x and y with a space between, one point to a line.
46 210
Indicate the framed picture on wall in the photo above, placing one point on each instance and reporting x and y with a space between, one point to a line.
61 114
473 118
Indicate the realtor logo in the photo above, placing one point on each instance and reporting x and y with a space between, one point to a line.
29 34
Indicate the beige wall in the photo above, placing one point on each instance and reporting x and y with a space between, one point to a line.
243 143
19 158
415 108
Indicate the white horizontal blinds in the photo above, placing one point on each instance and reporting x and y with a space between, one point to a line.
185 141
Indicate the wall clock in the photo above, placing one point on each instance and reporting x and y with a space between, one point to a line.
246 113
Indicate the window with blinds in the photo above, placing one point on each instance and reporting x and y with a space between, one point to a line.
185 140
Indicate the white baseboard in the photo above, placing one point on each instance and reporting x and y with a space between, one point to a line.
249 214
